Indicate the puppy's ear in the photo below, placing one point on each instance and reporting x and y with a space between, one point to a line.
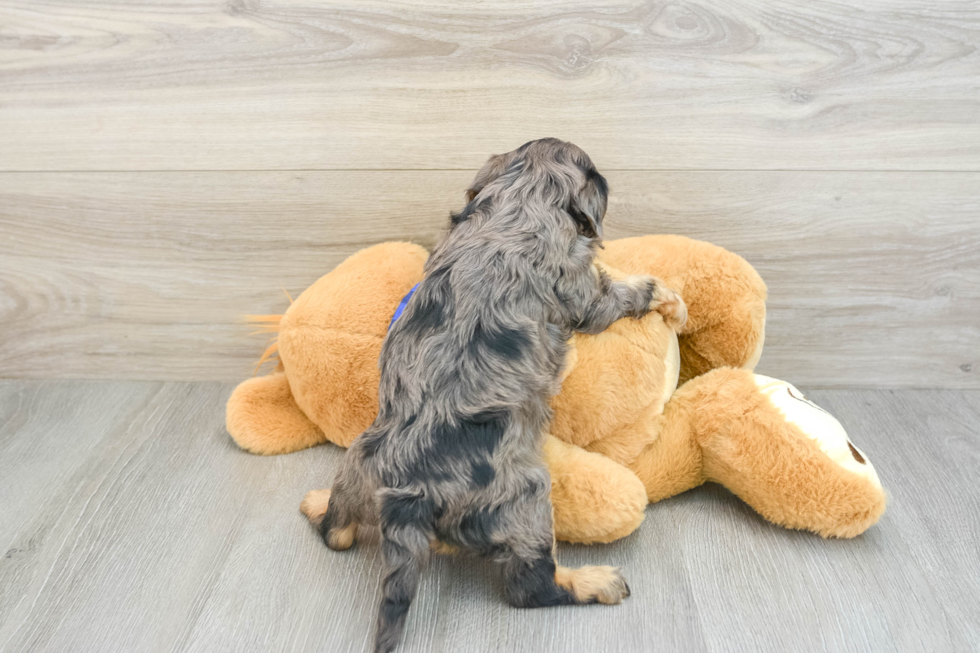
464 215
493 168
588 206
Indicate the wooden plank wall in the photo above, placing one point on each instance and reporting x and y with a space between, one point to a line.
166 167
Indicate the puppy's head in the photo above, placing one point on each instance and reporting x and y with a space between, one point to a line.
561 171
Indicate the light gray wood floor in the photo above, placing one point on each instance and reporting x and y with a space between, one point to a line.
130 522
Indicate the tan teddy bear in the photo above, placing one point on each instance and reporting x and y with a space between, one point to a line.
624 434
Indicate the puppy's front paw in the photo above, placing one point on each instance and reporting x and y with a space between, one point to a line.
643 288
669 304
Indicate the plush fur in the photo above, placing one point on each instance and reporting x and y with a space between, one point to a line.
621 435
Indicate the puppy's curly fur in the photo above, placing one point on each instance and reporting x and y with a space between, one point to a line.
453 459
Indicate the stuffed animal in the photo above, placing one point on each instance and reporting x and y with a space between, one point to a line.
623 434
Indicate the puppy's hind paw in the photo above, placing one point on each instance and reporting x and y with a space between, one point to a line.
594 584
314 506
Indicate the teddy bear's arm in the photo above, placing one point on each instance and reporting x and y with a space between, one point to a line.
725 296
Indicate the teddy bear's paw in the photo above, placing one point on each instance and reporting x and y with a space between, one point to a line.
669 304
594 584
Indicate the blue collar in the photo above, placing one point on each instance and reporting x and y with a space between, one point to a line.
401 306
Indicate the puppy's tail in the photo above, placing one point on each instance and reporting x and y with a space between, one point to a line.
405 523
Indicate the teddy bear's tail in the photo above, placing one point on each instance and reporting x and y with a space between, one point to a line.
262 416
266 324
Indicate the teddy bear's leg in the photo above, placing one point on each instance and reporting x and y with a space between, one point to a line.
672 463
595 499
783 455
725 296
263 418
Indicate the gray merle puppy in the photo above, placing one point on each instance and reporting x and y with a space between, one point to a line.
453 460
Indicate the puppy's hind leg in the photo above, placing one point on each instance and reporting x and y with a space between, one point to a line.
334 523
336 513
538 582
314 506
533 578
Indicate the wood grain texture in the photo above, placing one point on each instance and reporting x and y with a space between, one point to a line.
298 84
874 277
151 531
125 547
47 431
